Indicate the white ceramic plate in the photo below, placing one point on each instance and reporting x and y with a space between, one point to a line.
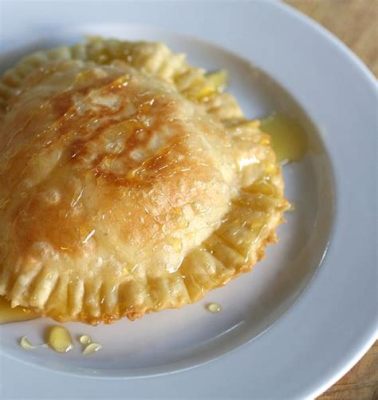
295 324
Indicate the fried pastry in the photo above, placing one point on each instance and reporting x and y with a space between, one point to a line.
129 182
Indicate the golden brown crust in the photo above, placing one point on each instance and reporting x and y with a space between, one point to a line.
122 190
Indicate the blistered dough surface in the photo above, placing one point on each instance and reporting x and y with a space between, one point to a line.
128 183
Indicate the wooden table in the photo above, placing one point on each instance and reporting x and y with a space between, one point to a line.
355 22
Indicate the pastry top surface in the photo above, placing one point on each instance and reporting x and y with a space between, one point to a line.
113 175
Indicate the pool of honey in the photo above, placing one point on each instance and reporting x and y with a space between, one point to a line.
16 314
288 137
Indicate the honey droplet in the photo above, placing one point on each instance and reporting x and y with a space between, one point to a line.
85 339
16 314
288 138
26 344
214 308
92 348
59 339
